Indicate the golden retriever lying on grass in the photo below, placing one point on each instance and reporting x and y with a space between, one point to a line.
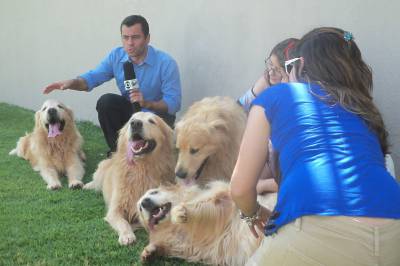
208 138
199 225
54 147
144 159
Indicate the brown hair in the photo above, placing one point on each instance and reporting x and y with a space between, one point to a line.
333 60
136 19
284 50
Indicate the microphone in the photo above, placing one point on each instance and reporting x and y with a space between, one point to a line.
131 83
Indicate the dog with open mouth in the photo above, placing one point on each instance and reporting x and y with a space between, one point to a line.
54 148
208 138
144 159
197 224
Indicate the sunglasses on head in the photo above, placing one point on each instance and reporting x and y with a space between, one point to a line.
289 64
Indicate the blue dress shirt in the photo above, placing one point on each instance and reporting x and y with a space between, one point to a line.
158 76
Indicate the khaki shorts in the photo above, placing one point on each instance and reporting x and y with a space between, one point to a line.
331 240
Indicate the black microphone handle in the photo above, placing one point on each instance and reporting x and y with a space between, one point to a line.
136 107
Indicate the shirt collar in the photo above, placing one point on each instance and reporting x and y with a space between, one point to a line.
150 57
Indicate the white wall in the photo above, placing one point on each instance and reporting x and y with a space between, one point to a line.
219 45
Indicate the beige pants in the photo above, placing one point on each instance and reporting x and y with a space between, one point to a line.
335 240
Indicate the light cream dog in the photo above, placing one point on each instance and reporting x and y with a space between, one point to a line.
208 138
54 147
198 225
144 159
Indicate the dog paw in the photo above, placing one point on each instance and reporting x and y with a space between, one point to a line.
89 185
54 186
148 253
127 239
179 214
75 184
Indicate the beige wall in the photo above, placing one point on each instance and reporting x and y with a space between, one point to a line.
218 44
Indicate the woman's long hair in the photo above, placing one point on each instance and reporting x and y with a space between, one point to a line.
333 60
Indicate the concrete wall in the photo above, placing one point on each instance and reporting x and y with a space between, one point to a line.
219 45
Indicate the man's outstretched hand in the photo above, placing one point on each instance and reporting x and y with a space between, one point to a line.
61 85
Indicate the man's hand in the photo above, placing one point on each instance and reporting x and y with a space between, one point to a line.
159 106
77 84
137 96
61 85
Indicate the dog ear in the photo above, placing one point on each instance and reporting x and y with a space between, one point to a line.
122 136
37 120
69 112
220 125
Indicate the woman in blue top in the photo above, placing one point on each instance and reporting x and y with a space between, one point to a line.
337 204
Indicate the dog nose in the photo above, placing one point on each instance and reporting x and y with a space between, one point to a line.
148 204
52 111
136 125
181 173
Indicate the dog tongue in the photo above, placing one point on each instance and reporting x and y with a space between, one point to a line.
151 223
54 130
134 145
137 144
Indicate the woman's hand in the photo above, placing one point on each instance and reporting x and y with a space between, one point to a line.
263 216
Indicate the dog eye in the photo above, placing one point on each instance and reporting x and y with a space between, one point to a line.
193 151
59 106
153 192
44 108
152 121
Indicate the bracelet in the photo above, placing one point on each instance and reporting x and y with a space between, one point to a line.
252 92
250 220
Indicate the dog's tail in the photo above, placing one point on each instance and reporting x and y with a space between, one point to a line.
98 177
19 150
13 152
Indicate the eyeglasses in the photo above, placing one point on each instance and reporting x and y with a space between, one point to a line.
270 67
289 64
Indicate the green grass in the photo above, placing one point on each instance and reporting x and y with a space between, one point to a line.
64 227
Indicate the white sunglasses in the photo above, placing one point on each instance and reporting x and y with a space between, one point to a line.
289 64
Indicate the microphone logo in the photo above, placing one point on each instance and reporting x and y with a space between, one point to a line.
131 84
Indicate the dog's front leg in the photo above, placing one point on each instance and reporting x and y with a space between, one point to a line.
203 210
151 251
121 225
50 176
75 172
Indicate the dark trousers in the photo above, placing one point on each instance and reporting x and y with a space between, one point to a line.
114 111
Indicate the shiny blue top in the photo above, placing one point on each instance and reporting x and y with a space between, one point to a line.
158 76
331 163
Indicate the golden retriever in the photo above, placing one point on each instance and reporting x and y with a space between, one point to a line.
199 225
208 138
54 147
144 159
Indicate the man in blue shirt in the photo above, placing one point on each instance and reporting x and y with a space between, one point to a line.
157 74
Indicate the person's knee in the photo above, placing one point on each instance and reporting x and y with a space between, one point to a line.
105 102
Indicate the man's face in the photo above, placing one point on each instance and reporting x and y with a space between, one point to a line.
134 41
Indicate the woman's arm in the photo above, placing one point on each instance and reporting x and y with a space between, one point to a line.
252 156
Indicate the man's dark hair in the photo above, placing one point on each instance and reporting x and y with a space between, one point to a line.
135 19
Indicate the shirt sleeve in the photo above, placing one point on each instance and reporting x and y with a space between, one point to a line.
246 99
171 87
102 73
268 100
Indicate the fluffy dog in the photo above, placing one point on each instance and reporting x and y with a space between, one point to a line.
199 225
144 159
54 146
208 138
